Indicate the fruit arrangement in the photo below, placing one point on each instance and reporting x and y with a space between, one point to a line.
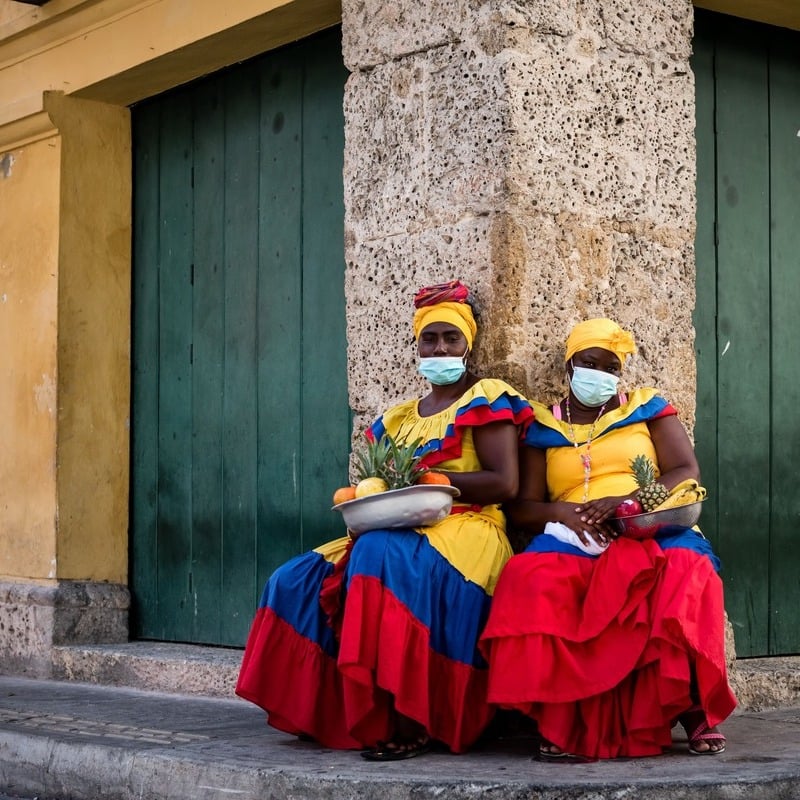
654 496
383 465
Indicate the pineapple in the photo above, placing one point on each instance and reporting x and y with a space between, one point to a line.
651 492
403 468
395 465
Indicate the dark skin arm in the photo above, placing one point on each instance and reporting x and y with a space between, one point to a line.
497 481
532 510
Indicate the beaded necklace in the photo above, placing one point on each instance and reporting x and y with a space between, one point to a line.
586 458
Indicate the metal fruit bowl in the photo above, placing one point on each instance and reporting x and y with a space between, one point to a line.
645 526
398 508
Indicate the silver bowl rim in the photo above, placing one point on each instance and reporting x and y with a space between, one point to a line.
415 489
634 517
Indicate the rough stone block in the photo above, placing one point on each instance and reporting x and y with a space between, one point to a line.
153 666
600 133
662 28
35 617
423 143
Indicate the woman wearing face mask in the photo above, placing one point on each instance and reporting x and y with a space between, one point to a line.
606 642
372 642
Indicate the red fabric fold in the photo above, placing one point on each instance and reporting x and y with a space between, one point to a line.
600 651
316 705
386 649
347 703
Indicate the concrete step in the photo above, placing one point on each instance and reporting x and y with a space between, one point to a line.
759 683
153 666
73 740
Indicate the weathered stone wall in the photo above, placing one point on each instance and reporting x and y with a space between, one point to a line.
35 616
541 151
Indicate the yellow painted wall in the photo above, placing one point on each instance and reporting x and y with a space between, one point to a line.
29 242
64 347
94 300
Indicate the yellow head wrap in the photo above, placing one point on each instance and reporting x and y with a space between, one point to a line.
603 333
456 314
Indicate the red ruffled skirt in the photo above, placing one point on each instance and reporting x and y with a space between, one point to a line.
606 652
405 640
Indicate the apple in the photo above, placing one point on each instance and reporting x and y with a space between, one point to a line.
628 508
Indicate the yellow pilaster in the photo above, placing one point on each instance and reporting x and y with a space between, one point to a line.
29 229
64 344
94 269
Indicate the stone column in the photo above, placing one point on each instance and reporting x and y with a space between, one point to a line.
542 151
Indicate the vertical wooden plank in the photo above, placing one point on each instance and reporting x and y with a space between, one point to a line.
705 312
279 314
325 410
743 327
239 403
145 377
226 341
175 394
208 292
785 440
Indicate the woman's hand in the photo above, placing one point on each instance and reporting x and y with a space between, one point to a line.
594 515
596 511
571 515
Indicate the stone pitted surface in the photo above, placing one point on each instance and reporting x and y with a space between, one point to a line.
34 617
544 153
761 683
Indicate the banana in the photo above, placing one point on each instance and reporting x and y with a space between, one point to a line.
688 491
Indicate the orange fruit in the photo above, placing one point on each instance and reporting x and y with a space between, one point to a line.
344 494
434 477
371 486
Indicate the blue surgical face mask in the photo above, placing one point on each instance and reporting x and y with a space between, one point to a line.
442 370
593 387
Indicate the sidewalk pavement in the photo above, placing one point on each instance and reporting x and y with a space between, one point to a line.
74 741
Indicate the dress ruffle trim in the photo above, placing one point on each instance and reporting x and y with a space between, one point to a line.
432 591
386 649
346 703
488 401
643 405
315 705
602 659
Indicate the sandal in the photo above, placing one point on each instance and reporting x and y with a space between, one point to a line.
702 733
546 751
389 751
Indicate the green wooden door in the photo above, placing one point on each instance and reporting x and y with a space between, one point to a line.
748 295
241 425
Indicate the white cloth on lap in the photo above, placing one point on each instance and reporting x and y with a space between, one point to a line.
564 534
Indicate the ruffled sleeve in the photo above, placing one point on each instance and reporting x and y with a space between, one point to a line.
642 405
489 400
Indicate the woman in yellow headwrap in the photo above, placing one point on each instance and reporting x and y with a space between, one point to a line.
605 641
394 664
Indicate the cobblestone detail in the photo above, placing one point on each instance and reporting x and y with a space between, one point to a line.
62 723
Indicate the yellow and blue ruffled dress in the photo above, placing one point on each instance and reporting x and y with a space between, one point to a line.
414 604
